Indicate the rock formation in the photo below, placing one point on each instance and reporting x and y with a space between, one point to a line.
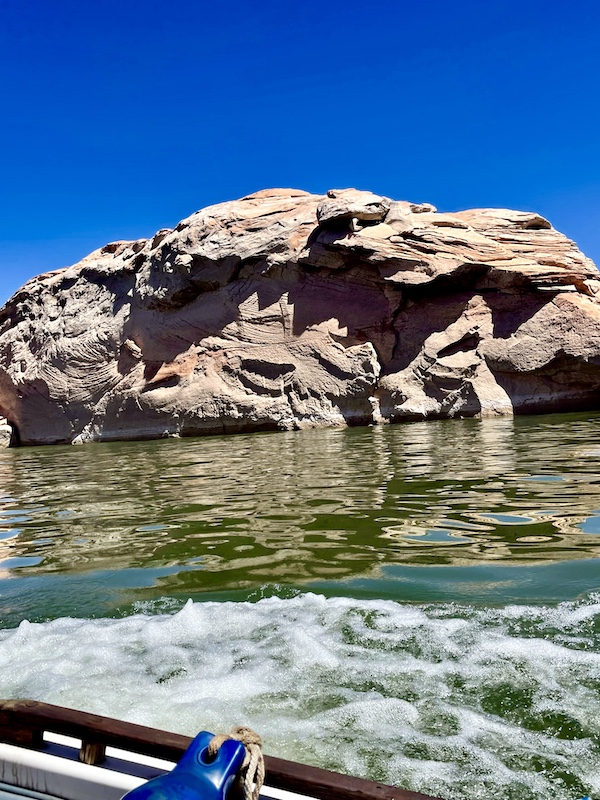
285 310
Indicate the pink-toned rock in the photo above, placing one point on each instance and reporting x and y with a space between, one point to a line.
285 310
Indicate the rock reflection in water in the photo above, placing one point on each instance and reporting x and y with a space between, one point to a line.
227 513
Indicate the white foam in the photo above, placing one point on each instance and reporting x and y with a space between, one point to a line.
453 701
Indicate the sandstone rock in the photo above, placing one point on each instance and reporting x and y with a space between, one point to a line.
7 434
285 310
348 204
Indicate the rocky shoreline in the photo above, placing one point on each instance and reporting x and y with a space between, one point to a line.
285 310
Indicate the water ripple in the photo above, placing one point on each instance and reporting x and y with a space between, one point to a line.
296 507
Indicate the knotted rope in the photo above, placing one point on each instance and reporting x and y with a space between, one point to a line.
252 771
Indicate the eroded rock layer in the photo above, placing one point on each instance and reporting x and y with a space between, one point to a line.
286 310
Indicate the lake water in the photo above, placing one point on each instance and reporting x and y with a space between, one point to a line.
419 603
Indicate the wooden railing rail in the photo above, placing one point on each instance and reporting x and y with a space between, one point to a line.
24 722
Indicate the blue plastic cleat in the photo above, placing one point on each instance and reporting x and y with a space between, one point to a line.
196 776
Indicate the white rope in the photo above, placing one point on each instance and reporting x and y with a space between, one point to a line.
252 771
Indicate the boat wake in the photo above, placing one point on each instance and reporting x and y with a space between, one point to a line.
450 700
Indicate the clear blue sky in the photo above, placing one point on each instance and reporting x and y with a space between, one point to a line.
122 117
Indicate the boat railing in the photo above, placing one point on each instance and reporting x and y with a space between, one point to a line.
24 723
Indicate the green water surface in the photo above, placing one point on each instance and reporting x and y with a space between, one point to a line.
482 511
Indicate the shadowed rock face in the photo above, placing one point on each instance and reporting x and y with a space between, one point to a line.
286 310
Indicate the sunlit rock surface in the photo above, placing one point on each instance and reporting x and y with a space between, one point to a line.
286 310
7 435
